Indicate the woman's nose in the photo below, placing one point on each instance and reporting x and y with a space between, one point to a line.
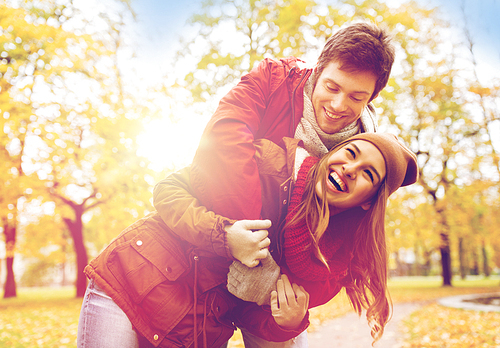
349 170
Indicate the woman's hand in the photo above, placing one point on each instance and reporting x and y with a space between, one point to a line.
289 303
254 284
247 241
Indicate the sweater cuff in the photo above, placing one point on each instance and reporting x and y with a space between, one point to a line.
288 334
219 237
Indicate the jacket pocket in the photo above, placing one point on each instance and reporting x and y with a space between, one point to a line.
144 261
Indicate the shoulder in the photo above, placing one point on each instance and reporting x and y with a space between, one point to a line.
279 69
276 158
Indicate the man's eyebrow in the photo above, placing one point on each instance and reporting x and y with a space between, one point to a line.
371 167
339 86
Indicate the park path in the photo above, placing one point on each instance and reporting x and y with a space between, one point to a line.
351 331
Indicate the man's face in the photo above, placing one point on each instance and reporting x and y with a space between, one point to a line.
340 97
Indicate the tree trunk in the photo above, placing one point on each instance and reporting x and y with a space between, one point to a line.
446 259
485 260
76 230
10 243
461 257
475 267
445 247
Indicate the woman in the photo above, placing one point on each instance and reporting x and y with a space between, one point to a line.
170 281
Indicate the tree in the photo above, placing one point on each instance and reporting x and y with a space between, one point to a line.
24 57
262 28
63 93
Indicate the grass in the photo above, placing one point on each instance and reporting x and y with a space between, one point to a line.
48 317
40 317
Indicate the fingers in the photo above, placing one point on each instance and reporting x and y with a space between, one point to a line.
274 301
256 224
282 293
260 236
301 295
251 262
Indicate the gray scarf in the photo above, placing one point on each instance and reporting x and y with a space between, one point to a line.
317 142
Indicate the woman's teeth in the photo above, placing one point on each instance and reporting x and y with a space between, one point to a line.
337 182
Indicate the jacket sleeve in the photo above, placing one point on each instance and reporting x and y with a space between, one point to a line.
224 173
259 321
183 214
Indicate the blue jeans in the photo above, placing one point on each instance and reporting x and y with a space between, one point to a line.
102 323
252 341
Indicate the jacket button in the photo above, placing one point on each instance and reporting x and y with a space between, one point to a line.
139 242
284 201
155 337
168 269
196 257
285 188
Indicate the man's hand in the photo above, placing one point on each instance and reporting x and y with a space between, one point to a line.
247 240
289 303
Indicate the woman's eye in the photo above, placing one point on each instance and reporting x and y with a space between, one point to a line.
370 174
351 152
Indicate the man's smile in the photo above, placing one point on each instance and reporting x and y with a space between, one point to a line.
332 115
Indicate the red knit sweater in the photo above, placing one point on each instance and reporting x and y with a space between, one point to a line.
335 245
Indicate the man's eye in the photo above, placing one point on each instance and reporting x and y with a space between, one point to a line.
332 88
357 99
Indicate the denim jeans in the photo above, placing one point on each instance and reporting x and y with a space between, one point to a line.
102 323
252 341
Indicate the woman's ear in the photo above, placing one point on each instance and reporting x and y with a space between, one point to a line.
366 206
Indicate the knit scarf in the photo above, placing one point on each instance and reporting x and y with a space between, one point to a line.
335 245
317 142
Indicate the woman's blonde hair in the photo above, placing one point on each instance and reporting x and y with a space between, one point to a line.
366 286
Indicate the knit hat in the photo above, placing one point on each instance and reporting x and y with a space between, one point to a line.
400 162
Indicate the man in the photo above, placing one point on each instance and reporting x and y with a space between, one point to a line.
276 99
321 106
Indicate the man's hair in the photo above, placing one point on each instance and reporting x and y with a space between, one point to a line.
360 47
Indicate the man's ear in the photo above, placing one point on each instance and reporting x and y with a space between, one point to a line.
366 206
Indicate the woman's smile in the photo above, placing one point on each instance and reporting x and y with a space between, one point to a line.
354 175
337 182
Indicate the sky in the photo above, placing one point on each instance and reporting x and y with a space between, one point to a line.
161 22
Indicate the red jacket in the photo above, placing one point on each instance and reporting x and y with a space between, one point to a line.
267 103
173 200
157 274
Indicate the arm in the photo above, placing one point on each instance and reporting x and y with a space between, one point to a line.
285 319
242 240
254 284
224 173
183 214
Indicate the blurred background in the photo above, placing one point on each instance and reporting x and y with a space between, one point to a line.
99 100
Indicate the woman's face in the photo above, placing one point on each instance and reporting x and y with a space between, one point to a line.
355 173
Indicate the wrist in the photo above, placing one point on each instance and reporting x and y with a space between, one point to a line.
222 231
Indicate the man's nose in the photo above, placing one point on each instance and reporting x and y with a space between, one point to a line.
339 103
